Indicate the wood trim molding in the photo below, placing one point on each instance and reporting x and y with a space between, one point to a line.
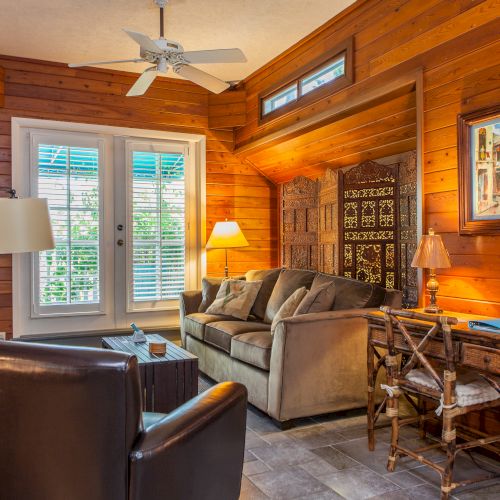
2 87
364 95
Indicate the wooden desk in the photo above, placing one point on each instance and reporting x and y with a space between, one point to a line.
473 349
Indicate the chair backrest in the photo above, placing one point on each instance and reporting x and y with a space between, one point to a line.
68 419
400 341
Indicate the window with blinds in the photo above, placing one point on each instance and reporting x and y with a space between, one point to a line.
156 246
69 276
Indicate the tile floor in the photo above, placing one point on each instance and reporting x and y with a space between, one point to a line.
328 457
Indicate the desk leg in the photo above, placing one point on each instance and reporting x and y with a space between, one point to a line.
371 393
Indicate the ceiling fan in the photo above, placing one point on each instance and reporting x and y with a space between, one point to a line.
164 53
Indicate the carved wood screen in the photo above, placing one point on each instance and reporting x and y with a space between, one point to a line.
368 206
328 223
299 224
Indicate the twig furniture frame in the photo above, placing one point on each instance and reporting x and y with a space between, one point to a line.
403 340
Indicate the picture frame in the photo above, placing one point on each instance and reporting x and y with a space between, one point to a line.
479 171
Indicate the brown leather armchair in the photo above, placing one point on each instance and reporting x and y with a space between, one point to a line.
71 427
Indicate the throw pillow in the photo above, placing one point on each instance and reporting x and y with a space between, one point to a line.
268 278
235 298
288 307
209 289
289 281
319 299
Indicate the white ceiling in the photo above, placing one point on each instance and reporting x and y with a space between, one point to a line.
86 30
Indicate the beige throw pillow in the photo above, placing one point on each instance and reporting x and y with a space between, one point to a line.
235 298
319 299
288 307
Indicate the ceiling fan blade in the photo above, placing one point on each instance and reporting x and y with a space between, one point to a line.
215 56
144 41
143 82
95 63
202 79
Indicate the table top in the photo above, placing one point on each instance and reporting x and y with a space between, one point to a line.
461 329
174 352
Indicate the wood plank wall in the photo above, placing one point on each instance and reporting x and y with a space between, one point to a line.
457 44
52 91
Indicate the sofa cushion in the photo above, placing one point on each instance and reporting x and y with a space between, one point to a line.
351 293
288 281
220 333
288 307
253 348
319 299
194 324
268 278
209 289
235 298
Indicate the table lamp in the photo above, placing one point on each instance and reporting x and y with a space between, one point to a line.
431 254
226 235
24 225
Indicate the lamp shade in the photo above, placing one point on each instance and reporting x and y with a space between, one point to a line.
226 234
431 253
25 225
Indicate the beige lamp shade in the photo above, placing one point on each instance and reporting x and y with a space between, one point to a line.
25 225
226 234
431 253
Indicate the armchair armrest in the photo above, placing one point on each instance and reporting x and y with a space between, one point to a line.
188 303
318 364
194 452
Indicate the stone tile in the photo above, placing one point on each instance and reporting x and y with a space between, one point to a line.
481 491
422 492
250 492
259 422
293 482
254 467
249 456
336 458
283 455
318 467
404 479
277 437
252 440
326 495
315 436
358 483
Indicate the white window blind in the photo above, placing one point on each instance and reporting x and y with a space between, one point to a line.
67 279
157 213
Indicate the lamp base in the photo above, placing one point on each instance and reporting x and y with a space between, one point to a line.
433 309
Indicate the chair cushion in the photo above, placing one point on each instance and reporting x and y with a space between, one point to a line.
209 289
235 298
288 281
288 307
194 324
471 389
253 348
351 293
319 299
220 333
268 278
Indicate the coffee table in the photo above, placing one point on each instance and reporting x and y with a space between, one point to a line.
166 381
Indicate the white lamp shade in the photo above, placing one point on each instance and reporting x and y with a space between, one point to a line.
25 225
227 234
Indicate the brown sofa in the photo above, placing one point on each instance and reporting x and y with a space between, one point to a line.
313 364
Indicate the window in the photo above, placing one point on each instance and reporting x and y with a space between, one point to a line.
127 211
157 211
323 76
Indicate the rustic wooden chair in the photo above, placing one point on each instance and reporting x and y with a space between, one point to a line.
410 373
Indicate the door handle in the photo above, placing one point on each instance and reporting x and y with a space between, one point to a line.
120 243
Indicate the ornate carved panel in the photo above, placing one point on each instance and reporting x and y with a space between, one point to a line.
328 223
299 224
368 208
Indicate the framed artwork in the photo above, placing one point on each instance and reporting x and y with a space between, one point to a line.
479 171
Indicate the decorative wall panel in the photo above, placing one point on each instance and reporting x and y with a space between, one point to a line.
368 223
299 224
328 223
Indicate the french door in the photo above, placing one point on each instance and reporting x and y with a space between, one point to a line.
126 218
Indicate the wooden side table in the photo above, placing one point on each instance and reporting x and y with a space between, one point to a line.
167 381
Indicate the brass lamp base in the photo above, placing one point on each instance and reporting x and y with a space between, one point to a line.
432 288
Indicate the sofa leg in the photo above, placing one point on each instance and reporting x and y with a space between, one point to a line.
286 425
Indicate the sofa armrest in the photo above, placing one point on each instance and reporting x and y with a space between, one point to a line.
188 303
194 452
318 364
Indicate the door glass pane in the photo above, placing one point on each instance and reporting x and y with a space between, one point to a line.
158 226
69 178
